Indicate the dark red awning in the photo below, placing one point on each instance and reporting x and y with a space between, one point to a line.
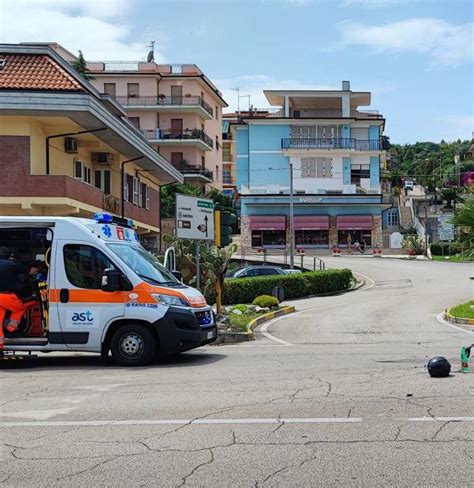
311 222
268 222
354 222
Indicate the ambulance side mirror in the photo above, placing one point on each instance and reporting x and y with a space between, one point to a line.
111 279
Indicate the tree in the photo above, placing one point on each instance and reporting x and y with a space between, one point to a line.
464 220
168 197
80 65
450 195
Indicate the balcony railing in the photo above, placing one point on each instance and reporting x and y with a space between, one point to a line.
194 134
183 101
331 143
311 113
189 169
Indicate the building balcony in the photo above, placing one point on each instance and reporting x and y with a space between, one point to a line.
195 137
332 143
310 113
181 104
195 173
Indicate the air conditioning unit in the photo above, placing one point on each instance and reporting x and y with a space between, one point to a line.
70 145
102 158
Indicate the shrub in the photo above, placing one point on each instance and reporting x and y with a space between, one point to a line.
266 301
240 308
441 248
245 290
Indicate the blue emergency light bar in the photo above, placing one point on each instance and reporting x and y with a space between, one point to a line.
104 218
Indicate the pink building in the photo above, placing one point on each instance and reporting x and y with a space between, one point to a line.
178 109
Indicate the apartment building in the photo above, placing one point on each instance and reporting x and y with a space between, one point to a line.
331 149
229 168
65 145
177 108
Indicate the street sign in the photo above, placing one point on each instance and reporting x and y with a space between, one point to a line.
194 218
445 228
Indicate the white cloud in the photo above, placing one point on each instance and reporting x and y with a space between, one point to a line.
446 43
98 27
373 3
254 85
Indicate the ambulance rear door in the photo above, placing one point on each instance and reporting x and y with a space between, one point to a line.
84 309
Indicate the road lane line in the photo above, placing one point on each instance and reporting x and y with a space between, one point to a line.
267 334
441 320
441 419
98 423
372 282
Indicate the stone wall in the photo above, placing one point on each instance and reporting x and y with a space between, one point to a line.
377 234
245 233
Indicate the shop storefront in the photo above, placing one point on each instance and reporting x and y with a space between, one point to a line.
311 231
268 231
354 228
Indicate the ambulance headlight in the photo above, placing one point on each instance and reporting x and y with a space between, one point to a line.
170 300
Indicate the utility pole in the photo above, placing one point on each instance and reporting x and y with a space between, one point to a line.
292 222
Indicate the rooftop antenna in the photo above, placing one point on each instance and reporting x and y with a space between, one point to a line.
151 55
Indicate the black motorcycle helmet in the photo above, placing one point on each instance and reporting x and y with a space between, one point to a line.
439 367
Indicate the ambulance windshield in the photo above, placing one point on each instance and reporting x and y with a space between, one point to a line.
144 264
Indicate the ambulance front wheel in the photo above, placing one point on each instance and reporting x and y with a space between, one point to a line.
133 345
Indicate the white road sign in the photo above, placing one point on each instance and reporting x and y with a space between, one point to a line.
194 218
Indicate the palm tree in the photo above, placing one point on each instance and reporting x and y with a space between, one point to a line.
464 220
450 195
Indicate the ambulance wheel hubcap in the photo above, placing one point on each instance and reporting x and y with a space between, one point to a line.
131 345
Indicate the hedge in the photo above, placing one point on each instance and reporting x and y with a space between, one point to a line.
244 290
441 248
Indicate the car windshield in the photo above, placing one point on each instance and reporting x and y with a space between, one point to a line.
144 264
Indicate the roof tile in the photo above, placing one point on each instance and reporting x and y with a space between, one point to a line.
35 72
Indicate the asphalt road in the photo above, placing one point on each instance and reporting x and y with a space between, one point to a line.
335 395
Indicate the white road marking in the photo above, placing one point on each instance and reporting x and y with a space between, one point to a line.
441 419
372 282
265 326
101 388
95 423
38 414
441 320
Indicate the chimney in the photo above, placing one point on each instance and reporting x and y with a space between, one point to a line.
346 102
346 86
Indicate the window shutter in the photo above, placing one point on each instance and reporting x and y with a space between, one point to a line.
135 191
147 192
125 189
140 194
78 170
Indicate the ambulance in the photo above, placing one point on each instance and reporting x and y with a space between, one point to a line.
102 292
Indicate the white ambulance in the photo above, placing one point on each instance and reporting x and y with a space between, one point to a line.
102 292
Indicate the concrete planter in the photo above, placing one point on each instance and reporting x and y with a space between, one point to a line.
457 320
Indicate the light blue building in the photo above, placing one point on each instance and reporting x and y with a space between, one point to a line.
336 152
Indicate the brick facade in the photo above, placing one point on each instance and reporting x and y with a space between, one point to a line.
15 162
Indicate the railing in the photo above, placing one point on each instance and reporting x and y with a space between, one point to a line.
184 101
311 113
331 143
194 134
188 169
227 179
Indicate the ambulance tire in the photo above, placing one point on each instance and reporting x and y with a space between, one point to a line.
133 345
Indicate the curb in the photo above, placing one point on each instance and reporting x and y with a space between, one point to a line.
236 337
457 320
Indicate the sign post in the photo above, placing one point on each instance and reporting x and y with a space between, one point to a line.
195 221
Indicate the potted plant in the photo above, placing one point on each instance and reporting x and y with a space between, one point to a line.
377 252
188 95
161 96
336 251
413 244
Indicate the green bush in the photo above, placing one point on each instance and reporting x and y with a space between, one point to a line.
245 290
441 248
266 301
240 308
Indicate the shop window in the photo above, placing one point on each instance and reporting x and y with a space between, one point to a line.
358 172
269 238
312 238
344 236
85 265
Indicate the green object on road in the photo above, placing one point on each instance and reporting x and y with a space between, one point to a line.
465 354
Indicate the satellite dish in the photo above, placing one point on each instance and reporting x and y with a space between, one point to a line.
150 57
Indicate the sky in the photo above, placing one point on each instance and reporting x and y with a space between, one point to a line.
415 56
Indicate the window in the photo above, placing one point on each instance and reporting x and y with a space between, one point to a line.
203 162
217 142
308 167
303 131
85 265
392 218
176 69
312 238
217 112
324 167
226 153
132 90
359 171
177 94
82 172
144 196
177 159
109 88
135 121
129 184
269 238
102 180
